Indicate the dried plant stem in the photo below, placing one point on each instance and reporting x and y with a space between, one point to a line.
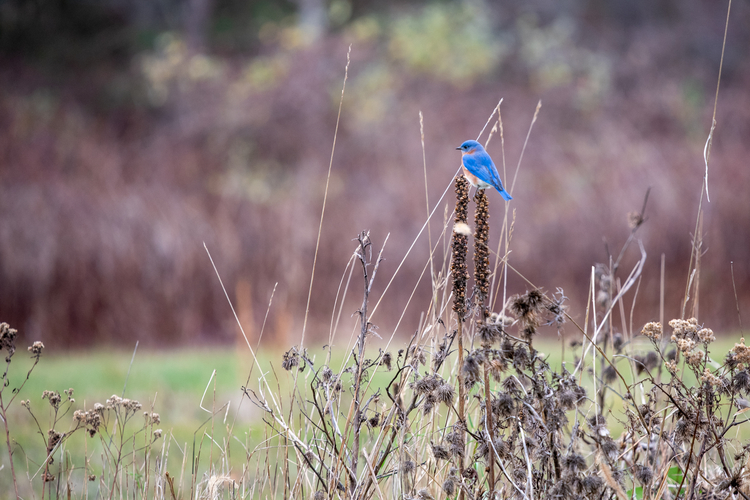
4 416
460 277
490 437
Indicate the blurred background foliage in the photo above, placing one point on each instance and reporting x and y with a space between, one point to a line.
132 131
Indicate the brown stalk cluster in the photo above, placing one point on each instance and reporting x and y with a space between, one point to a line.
459 270
481 249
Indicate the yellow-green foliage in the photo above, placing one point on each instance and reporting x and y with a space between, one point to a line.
452 42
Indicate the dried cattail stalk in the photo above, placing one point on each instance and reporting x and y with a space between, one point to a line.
460 247
481 250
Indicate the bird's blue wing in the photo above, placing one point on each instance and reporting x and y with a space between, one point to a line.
480 164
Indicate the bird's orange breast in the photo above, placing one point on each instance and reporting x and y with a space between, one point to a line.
474 180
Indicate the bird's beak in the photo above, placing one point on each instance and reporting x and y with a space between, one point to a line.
458 147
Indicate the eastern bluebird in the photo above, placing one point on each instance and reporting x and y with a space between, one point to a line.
479 169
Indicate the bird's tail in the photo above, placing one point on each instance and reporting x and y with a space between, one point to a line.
505 195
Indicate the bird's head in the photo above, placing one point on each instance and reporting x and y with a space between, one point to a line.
469 147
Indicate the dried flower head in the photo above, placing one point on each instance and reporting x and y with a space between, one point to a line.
386 360
424 494
706 335
374 421
290 359
741 381
407 466
8 339
520 357
609 448
610 374
652 330
440 452
671 366
574 462
36 349
527 307
503 406
114 401
740 353
449 486
592 484
710 378
470 370
695 358
54 398
685 345
488 333
426 384
567 399
445 394
644 474
496 367
682 328
455 440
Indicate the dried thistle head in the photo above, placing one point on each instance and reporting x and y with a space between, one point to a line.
574 462
424 494
386 360
520 357
449 485
496 367
426 384
741 381
445 394
429 403
407 466
470 370
290 359
440 452
374 421
8 339
592 484
610 374
644 474
456 439
528 307
503 406
488 333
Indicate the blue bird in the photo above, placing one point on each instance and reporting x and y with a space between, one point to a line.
479 169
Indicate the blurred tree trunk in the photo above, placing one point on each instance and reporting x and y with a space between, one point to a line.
313 18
